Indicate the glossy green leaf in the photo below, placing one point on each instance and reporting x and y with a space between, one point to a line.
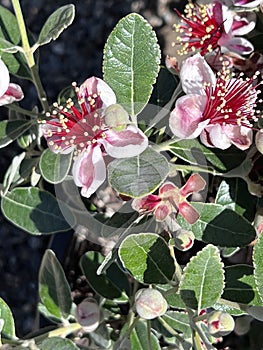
35 211
147 257
240 285
220 226
194 152
111 285
140 340
203 279
140 175
54 289
258 265
131 62
233 194
11 130
178 321
231 308
58 343
9 324
56 23
54 167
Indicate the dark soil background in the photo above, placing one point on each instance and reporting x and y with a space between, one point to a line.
74 56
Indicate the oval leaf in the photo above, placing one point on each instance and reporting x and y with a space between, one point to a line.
58 344
233 194
240 285
147 257
10 130
220 226
54 289
56 23
258 265
9 324
203 279
35 211
140 175
131 62
104 284
54 167
140 338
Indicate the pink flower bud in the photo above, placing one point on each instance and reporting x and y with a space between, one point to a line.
87 314
116 117
150 303
172 65
259 140
183 239
220 323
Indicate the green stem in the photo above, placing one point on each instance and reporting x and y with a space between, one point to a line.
40 90
181 167
171 330
15 107
22 28
164 146
28 52
149 335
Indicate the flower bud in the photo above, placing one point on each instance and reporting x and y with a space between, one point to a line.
87 314
259 140
172 65
116 117
220 323
183 239
150 303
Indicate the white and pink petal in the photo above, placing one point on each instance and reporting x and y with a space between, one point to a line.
186 120
194 73
89 170
13 93
4 80
129 142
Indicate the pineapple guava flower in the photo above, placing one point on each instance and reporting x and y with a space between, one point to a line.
8 92
86 132
171 199
221 109
205 28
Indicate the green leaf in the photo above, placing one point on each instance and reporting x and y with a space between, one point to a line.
140 175
192 151
9 40
147 257
229 307
179 321
54 167
240 285
131 62
220 226
139 338
203 279
164 88
35 211
111 285
56 23
233 194
11 130
54 289
9 324
58 343
258 265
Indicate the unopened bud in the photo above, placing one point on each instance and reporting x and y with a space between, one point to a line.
150 303
116 117
259 140
87 314
220 323
183 239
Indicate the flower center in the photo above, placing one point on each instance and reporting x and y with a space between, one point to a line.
78 128
231 100
198 29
